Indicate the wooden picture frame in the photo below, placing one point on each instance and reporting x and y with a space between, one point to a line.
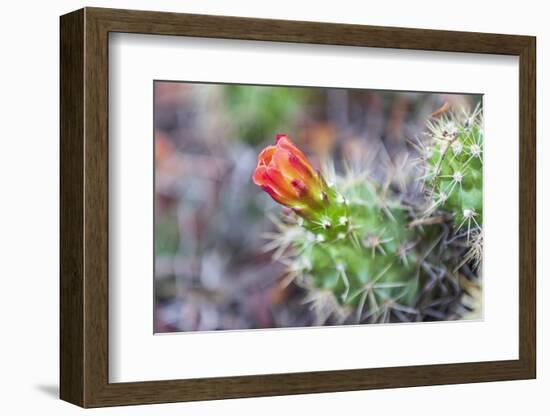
84 207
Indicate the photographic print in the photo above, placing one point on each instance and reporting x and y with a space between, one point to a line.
288 206
326 182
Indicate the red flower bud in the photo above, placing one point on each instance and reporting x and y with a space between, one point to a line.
285 173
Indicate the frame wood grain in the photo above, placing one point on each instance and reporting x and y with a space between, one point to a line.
84 207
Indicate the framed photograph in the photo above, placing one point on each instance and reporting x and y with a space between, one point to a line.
257 207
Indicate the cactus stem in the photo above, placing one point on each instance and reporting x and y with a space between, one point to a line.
367 291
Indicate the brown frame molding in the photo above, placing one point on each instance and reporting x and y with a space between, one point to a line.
84 207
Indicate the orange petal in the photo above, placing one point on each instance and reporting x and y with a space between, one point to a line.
280 183
299 186
259 177
273 194
292 167
266 176
283 142
265 156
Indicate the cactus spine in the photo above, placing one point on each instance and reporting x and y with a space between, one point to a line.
454 168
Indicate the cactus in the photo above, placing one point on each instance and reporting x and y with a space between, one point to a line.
454 169
361 253
452 160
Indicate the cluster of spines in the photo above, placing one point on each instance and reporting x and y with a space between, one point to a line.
359 262
453 162
368 257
